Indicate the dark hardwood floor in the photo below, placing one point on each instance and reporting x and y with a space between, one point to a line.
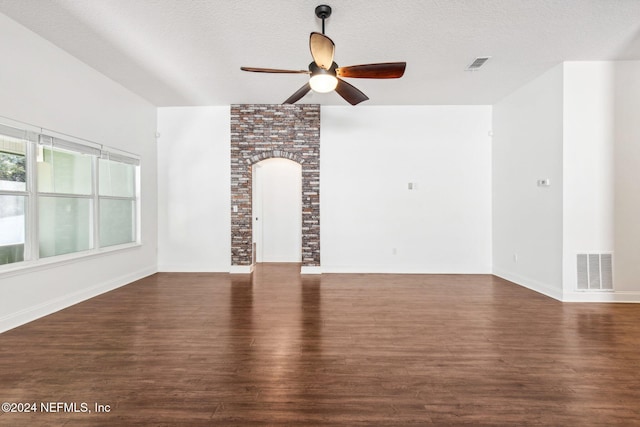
277 349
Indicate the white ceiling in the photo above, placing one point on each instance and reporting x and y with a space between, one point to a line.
189 52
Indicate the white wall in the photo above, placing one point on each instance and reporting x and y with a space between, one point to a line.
627 178
601 175
194 189
371 221
44 86
588 169
578 121
527 219
557 127
368 155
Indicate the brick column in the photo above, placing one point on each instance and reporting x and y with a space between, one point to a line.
260 132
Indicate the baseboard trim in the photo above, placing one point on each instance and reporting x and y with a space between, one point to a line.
534 285
375 269
611 297
310 269
571 296
241 269
35 312
186 268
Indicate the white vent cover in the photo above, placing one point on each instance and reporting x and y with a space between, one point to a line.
595 272
477 63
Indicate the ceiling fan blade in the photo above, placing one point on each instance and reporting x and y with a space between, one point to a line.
274 70
350 93
299 94
383 70
322 50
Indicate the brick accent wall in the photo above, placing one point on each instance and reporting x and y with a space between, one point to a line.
260 132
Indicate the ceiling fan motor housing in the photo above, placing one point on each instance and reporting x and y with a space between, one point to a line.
313 67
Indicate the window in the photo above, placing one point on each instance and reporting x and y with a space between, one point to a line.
13 195
64 201
117 202
61 197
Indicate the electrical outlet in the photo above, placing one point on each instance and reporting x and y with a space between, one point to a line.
515 257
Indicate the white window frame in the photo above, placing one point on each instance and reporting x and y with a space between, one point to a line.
33 136
121 157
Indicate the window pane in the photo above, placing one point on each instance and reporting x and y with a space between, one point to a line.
12 229
117 222
117 179
13 164
63 172
64 225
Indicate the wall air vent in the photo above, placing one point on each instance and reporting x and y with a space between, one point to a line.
477 63
595 272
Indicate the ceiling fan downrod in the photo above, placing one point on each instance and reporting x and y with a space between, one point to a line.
323 11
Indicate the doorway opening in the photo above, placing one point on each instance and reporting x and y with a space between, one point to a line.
277 210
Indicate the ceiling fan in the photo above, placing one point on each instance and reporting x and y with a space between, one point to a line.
325 74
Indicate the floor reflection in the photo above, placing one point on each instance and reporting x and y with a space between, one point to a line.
311 327
241 303
596 326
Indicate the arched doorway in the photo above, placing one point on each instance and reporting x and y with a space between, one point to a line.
277 210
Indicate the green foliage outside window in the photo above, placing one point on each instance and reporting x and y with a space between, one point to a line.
12 167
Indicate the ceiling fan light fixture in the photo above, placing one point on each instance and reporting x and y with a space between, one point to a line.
323 80
323 83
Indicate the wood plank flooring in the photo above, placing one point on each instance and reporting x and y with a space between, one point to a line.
275 348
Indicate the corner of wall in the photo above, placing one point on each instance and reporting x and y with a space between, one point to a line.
526 216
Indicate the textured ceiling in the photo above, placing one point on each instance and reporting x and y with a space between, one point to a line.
189 52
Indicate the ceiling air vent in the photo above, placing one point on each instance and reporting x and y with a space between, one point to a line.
477 63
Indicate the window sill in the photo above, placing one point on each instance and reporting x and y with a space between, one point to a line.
25 267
